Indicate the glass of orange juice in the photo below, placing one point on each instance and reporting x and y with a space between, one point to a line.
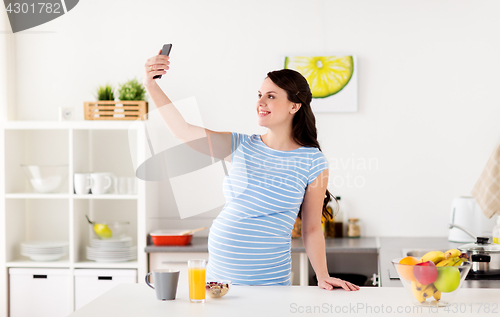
196 272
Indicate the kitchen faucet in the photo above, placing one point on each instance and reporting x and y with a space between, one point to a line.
452 225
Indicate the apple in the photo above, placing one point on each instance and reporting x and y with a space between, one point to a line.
425 272
448 279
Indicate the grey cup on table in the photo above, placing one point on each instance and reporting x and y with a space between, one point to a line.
165 283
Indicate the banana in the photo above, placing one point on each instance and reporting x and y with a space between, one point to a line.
417 292
460 261
443 262
455 261
452 253
429 291
421 292
418 286
434 256
437 295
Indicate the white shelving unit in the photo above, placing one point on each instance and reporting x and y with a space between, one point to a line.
85 146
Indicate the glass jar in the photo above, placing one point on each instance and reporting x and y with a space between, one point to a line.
353 229
330 224
496 232
338 221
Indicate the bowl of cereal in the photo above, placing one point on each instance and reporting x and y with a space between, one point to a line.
217 289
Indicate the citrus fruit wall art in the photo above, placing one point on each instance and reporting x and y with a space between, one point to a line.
332 79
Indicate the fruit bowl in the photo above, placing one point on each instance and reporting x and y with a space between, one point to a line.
431 285
110 230
217 289
46 178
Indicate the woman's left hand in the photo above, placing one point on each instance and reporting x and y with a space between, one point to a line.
329 283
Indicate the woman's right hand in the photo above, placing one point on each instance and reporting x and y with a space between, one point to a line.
156 65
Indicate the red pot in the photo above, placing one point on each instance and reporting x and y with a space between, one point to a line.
170 237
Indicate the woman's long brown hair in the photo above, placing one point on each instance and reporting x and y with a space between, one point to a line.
303 124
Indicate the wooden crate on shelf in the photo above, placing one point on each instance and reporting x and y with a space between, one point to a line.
115 110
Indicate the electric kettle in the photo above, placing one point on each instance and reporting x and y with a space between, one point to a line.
466 213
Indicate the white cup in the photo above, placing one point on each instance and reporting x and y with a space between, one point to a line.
100 183
122 185
81 183
114 181
131 186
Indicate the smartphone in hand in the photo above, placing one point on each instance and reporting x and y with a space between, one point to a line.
164 51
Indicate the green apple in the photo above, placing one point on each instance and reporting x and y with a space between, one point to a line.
103 231
448 279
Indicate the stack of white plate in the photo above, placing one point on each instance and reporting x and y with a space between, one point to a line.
44 250
111 250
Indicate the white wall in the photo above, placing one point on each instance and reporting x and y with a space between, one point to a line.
7 71
428 103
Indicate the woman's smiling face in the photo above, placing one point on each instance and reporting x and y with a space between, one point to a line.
273 106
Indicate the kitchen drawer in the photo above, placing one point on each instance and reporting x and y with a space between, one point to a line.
176 261
39 292
91 283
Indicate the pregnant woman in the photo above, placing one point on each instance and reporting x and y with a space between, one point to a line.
274 178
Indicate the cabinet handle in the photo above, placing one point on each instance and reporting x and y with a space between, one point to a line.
109 278
39 276
375 279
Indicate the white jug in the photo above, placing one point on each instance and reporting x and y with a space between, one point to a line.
466 212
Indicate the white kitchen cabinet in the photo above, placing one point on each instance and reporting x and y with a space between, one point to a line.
176 261
84 146
40 292
92 283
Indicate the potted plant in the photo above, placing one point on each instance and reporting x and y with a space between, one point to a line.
131 90
105 92
131 104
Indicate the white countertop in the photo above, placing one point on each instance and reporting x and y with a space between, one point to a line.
140 300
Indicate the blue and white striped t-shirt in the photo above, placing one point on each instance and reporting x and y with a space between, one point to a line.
249 241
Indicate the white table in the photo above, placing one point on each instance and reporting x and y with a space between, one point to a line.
139 300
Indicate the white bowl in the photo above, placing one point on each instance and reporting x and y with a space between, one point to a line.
46 178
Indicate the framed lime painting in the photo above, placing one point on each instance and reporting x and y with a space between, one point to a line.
332 79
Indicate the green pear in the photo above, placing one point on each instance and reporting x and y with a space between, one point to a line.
103 231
